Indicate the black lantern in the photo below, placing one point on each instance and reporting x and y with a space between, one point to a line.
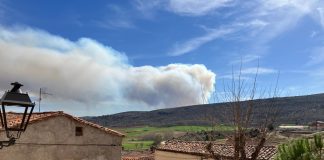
15 123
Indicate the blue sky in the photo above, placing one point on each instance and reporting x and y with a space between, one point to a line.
103 57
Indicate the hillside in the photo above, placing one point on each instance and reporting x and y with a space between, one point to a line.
293 110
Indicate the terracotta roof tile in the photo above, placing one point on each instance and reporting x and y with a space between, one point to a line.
224 150
15 119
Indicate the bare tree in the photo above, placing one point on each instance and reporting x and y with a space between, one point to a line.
243 110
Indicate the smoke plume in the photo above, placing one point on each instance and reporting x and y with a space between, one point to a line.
89 72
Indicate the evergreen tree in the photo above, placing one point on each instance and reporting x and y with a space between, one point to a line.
302 149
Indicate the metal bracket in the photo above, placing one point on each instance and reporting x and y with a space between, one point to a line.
11 141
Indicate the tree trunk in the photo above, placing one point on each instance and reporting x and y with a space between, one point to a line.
258 148
242 146
236 147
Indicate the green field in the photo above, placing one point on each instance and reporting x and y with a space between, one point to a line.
139 138
137 145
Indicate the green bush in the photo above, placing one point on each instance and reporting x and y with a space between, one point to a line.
302 149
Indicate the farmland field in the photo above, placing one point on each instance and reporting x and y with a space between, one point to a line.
138 138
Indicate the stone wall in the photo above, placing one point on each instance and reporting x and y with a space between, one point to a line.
54 139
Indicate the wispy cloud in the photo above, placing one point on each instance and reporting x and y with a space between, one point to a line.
321 15
213 34
248 73
181 7
194 7
116 23
282 15
245 59
276 17
115 18
194 43
256 70
148 7
259 21
234 77
313 34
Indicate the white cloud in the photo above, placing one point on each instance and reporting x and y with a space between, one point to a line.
313 34
285 14
248 73
273 18
234 77
213 34
88 72
116 23
194 7
256 70
245 59
147 7
181 7
259 21
196 42
321 15
256 23
117 17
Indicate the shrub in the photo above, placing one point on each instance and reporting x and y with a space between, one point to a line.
302 149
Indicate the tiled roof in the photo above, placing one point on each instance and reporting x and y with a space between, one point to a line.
15 119
224 150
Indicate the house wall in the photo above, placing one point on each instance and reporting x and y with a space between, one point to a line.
54 139
164 155
320 126
317 126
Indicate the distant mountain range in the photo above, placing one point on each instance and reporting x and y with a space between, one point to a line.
293 110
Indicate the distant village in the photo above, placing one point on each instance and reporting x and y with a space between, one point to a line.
57 135
60 136
176 149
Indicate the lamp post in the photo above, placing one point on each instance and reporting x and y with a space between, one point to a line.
15 124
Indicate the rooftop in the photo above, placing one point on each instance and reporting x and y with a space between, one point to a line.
224 150
15 119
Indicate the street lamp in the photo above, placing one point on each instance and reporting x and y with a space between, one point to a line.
15 124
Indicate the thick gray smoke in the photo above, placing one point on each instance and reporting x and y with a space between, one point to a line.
89 72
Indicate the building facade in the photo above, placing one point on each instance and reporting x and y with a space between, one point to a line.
317 125
60 136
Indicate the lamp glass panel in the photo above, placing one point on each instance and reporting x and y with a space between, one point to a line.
17 116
